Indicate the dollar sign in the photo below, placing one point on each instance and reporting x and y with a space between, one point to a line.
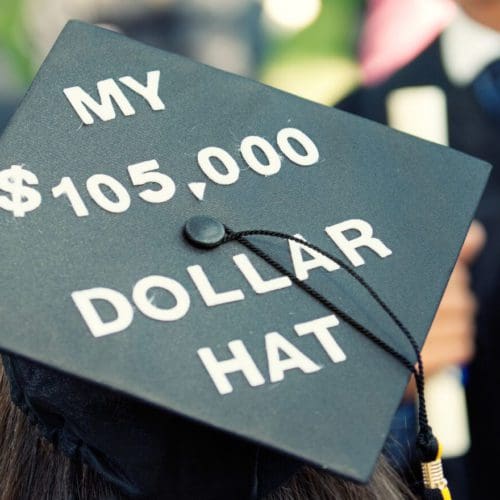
24 199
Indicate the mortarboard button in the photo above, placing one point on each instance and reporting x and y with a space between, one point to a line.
204 232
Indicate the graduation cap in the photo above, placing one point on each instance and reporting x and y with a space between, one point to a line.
120 158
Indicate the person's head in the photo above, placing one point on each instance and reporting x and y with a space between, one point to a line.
32 467
486 12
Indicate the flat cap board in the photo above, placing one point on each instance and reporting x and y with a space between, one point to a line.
117 145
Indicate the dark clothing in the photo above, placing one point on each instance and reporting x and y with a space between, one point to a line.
473 131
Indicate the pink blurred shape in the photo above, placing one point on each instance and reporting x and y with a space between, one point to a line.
396 31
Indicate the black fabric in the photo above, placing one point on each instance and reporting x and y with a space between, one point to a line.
145 451
477 133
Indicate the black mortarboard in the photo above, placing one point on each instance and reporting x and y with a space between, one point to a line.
114 149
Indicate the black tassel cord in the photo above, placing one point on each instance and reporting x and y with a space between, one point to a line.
435 486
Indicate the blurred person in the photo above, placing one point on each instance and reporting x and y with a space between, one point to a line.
395 32
453 88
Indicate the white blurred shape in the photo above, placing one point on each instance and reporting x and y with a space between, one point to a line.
291 15
447 410
420 111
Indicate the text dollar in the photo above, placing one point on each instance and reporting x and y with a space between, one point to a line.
16 181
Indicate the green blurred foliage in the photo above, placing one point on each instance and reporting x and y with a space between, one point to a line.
14 40
334 32
318 62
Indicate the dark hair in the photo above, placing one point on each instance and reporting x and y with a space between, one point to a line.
31 468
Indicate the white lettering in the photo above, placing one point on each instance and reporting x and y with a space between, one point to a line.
146 306
301 266
255 280
205 157
273 165
148 92
98 328
108 92
319 328
241 362
365 239
296 359
311 155
207 292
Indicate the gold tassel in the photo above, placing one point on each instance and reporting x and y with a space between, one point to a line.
433 476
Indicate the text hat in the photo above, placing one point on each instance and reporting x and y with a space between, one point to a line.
119 151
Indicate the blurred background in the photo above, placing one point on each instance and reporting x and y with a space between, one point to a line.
305 47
